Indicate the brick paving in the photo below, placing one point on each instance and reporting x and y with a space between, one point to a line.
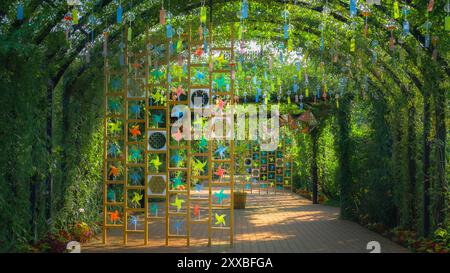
270 223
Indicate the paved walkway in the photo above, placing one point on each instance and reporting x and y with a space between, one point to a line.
271 223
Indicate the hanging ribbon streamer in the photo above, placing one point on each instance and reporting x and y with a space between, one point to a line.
352 45
20 11
286 31
169 31
162 16
396 10
130 33
435 51
353 9
430 6
75 16
244 10
92 20
406 28
105 44
203 15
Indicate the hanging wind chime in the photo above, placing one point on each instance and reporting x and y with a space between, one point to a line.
19 15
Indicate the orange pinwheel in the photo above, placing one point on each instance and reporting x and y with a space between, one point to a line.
199 52
196 210
135 131
114 171
114 216
220 172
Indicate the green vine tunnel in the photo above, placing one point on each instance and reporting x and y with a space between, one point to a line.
148 13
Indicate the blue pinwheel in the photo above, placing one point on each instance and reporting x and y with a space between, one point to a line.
134 221
113 105
178 224
135 178
113 149
221 151
220 196
135 109
176 159
199 76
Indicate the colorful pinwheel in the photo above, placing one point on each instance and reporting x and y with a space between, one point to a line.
197 210
113 149
157 119
220 196
136 199
177 203
135 154
156 163
154 209
114 216
135 109
220 172
135 177
133 221
220 219
221 151
199 166
135 131
177 182
114 171
198 187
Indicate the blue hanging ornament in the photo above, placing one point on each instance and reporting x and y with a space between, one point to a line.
374 56
286 31
322 44
258 94
205 46
427 40
169 31
353 10
20 11
295 88
244 10
405 28
119 14
121 59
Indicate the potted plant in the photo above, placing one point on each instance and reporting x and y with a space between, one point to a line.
240 198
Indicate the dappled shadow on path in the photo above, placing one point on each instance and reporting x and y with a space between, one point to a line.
270 223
